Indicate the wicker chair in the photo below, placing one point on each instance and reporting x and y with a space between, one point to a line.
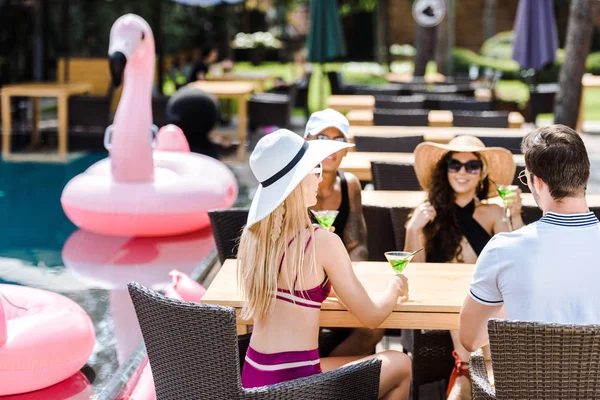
394 176
511 143
399 217
400 117
483 119
389 89
227 228
194 353
466 105
380 237
399 144
433 100
539 361
266 109
400 102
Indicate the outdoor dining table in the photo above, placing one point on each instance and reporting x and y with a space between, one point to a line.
260 79
36 90
436 294
433 134
232 90
411 199
359 163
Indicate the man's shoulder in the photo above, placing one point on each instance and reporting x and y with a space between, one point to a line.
516 238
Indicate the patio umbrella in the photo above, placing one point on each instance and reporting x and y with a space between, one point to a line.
536 37
325 38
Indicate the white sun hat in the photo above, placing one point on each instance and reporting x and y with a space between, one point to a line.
279 162
328 118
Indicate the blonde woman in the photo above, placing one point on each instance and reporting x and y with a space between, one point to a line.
287 268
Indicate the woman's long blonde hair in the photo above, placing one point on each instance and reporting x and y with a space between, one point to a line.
260 251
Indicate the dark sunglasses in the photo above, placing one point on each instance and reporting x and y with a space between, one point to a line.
472 167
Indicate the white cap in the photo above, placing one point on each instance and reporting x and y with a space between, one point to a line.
328 118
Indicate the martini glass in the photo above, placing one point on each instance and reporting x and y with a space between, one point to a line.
325 218
399 259
505 192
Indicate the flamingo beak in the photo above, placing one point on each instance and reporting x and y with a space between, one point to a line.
117 62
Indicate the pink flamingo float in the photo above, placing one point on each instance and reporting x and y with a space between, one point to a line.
151 184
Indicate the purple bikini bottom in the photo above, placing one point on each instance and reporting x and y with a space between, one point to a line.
268 369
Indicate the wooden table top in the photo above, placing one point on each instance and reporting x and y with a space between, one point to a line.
408 78
45 89
433 134
359 163
225 88
411 199
435 288
242 76
351 102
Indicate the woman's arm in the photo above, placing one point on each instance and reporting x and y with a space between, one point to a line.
413 241
332 255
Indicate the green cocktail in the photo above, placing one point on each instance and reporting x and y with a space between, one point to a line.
325 218
506 192
399 260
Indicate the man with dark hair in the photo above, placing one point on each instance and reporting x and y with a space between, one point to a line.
209 54
546 271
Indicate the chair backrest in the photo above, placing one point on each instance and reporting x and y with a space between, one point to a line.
89 111
335 81
433 100
483 119
380 233
466 105
512 143
192 347
400 102
394 176
400 117
399 216
227 228
389 89
401 144
545 361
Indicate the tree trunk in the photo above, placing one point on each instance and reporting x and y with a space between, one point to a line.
442 45
425 44
489 19
381 29
577 48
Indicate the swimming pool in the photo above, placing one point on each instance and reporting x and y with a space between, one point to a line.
40 247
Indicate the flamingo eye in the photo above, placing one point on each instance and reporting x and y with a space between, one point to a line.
143 35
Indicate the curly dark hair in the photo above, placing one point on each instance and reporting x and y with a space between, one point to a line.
443 235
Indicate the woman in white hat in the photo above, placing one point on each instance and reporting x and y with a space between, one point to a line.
287 267
454 225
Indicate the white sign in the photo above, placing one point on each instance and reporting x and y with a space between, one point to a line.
429 13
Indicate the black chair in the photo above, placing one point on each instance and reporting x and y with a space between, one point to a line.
89 116
512 143
466 105
400 117
481 119
433 100
394 176
399 217
541 99
400 144
227 226
195 353
302 94
265 109
400 102
380 236
337 84
388 89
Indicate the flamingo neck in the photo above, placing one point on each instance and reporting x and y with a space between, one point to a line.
3 325
131 151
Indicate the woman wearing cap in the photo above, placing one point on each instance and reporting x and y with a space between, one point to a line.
287 268
341 191
453 225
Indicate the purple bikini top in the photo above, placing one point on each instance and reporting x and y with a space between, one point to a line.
312 298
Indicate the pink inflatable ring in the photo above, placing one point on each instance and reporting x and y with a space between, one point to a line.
151 185
44 339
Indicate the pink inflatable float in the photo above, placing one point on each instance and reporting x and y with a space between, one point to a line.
44 339
76 387
149 186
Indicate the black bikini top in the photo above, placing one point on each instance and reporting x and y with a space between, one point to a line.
475 234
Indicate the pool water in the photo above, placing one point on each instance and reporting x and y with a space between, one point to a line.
40 247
